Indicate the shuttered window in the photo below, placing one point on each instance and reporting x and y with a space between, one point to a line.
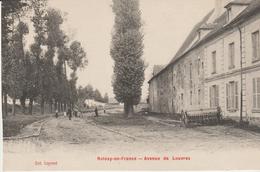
214 96
182 100
198 67
199 96
214 64
231 54
191 74
256 93
232 95
256 46
191 98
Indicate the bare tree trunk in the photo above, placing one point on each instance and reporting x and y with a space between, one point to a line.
125 110
55 105
50 105
13 107
5 105
59 107
42 105
31 106
22 101
130 110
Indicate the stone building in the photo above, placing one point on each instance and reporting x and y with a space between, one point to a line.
217 65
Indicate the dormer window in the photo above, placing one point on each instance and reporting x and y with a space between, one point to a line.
229 12
234 8
205 29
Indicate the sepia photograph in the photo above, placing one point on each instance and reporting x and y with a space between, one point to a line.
130 85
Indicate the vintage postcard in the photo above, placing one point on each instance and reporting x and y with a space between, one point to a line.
130 85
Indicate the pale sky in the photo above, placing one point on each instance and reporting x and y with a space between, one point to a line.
166 25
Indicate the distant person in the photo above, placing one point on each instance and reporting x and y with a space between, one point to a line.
96 112
69 113
56 113
104 109
80 114
75 113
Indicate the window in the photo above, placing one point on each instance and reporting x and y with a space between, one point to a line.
232 95
191 71
191 75
198 67
199 96
256 46
214 67
182 99
231 55
229 14
213 95
191 98
256 93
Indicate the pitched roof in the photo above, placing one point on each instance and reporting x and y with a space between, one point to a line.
220 26
192 35
157 69
238 2
252 8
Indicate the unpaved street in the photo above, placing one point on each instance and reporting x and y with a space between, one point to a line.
135 143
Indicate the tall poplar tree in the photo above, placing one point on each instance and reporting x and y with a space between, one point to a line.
127 50
17 69
39 23
10 9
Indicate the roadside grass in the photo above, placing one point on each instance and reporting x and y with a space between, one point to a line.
118 119
13 124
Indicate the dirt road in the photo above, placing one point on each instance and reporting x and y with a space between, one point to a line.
112 142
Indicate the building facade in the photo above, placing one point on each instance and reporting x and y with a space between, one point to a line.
217 65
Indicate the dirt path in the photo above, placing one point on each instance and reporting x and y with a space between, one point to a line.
82 142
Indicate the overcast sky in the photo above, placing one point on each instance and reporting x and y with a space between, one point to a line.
166 25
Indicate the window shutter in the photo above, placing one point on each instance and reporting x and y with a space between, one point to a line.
236 95
254 45
257 45
217 96
233 54
227 95
258 93
254 93
258 86
210 96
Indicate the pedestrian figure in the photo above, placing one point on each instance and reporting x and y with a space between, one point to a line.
96 112
104 109
56 113
80 115
69 113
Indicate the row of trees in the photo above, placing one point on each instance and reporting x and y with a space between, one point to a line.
39 73
88 92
